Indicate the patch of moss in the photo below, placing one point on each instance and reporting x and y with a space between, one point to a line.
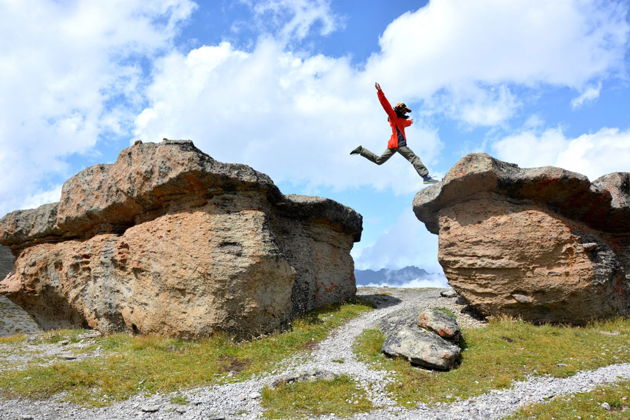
341 396
446 311
180 400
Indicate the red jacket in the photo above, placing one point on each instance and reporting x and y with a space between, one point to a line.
396 123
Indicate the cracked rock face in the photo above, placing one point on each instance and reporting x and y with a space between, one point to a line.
169 241
544 244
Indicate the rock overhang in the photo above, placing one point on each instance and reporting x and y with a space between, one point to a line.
147 177
169 241
601 204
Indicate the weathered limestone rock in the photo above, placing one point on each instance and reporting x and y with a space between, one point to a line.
421 347
440 323
169 241
544 244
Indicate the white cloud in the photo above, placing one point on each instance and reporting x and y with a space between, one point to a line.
454 45
435 281
62 64
288 113
294 19
296 116
407 242
295 119
42 197
590 93
594 155
487 106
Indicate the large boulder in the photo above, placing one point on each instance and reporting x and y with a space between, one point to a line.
421 345
544 244
169 241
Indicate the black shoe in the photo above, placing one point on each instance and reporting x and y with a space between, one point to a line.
429 180
357 150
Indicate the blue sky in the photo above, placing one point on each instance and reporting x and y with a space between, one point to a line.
286 86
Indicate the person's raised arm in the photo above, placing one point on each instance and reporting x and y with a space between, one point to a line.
384 102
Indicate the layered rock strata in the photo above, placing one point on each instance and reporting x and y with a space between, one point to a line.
544 244
169 241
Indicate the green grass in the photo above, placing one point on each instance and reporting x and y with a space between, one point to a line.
341 396
446 311
56 336
502 352
180 400
587 405
13 339
151 364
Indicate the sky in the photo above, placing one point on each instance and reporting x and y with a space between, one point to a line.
287 87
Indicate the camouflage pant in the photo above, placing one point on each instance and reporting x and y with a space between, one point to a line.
403 150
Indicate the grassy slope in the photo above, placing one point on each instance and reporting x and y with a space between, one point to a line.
503 352
149 364
341 396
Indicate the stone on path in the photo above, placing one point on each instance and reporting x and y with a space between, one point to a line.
449 293
440 323
422 348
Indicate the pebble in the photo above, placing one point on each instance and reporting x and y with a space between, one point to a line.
605 406
150 408
449 293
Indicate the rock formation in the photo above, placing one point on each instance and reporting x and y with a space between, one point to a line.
544 244
429 339
169 241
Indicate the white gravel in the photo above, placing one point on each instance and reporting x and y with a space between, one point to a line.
242 400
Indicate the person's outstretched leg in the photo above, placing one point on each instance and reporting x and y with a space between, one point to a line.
417 164
414 160
379 160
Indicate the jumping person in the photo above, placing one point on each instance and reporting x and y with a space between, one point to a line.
398 120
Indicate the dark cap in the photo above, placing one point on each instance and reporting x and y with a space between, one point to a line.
402 107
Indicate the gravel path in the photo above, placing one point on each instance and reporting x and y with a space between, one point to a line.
333 356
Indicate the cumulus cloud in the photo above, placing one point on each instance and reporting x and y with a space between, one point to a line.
589 94
63 66
296 115
594 155
294 118
294 19
451 46
407 242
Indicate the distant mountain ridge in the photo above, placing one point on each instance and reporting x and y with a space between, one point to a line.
396 277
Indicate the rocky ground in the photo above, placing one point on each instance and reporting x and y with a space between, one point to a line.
13 320
242 400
